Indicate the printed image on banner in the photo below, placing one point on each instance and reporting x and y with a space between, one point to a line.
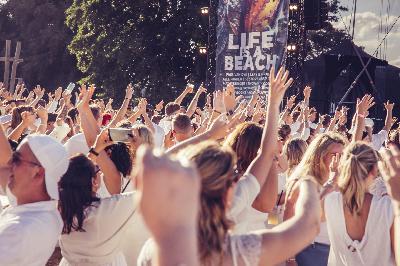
251 38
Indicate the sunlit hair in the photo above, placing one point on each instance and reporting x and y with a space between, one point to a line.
245 140
16 117
145 137
312 163
357 162
76 194
294 150
215 164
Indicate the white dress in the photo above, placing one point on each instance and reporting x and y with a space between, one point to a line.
374 248
245 250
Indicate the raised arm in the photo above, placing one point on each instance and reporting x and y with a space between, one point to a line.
124 107
266 199
5 148
389 116
28 120
260 166
39 95
188 89
361 111
193 104
288 238
391 174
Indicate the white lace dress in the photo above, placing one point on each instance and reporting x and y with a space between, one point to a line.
245 250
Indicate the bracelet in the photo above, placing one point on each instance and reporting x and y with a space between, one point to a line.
230 112
92 151
360 115
218 112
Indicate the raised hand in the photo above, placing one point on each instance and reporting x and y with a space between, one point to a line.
169 195
391 171
189 88
102 141
129 92
218 102
230 97
160 106
220 127
39 92
28 119
42 113
364 104
389 106
307 92
278 85
290 103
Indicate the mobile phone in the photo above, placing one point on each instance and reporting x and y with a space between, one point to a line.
120 134
70 88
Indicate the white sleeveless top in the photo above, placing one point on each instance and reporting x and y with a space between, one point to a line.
245 250
375 246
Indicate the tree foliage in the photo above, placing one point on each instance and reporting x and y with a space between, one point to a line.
153 44
323 40
39 25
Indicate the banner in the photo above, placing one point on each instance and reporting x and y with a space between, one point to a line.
251 38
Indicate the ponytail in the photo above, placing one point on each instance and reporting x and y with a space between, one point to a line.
357 162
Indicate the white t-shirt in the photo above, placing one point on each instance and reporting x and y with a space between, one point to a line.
105 226
77 144
29 233
295 127
246 192
379 139
158 135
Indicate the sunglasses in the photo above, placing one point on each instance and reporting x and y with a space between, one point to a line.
16 159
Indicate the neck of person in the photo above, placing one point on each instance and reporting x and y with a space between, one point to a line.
33 198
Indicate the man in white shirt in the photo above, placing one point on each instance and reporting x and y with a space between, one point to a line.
31 226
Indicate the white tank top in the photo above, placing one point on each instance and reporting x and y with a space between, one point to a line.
375 246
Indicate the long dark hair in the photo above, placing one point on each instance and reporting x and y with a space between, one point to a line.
76 193
120 155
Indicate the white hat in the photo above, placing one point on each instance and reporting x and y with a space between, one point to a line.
52 156
369 122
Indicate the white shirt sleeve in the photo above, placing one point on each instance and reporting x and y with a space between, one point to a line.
379 139
246 192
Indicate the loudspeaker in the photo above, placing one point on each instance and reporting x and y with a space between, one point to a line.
312 14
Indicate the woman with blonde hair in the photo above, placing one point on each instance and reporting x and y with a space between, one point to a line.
294 151
360 225
315 163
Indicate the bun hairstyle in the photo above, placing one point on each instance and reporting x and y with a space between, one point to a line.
357 162
215 165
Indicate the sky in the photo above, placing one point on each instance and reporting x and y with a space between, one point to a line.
368 19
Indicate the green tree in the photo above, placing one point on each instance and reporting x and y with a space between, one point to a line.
39 25
153 44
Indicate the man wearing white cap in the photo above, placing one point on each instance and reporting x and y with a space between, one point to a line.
31 226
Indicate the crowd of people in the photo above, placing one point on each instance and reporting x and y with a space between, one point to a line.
233 182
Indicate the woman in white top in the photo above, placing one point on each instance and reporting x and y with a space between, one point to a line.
315 163
93 228
360 225
245 141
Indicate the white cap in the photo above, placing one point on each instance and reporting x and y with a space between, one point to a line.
52 156
369 122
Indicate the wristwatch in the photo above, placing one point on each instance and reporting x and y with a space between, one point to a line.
230 112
